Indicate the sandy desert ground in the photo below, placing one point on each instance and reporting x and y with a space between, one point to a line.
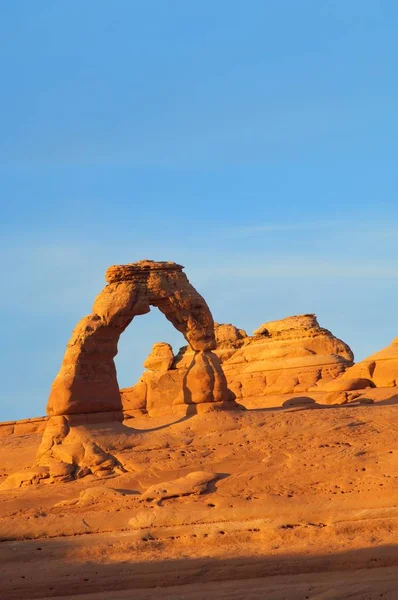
302 503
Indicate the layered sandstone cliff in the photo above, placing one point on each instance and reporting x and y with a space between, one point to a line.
285 356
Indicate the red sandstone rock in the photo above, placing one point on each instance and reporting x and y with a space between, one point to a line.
160 393
87 380
87 385
161 358
345 384
285 356
69 452
192 483
381 368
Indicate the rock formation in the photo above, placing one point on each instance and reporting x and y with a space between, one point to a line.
221 367
87 379
200 383
286 356
378 370
192 483
69 452
161 358
381 368
86 386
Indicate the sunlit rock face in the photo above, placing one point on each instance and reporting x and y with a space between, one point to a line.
200 383
286 356
87 379
381 368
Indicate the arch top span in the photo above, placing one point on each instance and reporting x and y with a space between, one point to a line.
87 379
137 270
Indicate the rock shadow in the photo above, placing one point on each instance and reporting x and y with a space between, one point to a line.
358 573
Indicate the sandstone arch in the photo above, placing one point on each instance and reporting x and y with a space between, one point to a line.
87 380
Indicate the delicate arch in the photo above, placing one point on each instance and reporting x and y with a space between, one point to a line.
87 379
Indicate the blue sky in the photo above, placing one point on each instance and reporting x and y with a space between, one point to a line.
253 142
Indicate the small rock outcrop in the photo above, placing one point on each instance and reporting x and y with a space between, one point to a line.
69 452
193 483
378 370
200 383
161 358
87 379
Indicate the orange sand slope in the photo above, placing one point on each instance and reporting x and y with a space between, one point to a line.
269 502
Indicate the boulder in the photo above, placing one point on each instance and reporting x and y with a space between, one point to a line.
193 483
161 358
29 477
299 402
134 398
345 384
